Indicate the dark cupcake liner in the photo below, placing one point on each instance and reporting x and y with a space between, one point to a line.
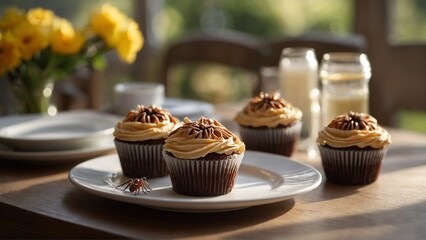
139 160
197 177
280 140
352 167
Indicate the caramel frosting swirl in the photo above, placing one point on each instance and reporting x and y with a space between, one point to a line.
197 139
268 110
354 129
146 123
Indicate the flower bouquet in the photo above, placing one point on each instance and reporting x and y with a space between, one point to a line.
37 48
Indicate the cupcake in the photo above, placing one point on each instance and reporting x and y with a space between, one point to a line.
352 147
139 140
203 158
270 124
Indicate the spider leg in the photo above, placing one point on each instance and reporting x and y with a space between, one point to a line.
129 183
144 187
147 187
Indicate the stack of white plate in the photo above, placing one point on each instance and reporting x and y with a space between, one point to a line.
68 136
74 135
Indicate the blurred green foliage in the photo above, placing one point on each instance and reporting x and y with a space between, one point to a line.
408 21
260 17
77 11
412 120
264 18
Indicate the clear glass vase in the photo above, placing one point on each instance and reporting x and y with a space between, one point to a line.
35 98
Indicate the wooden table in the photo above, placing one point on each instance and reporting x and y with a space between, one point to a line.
39 202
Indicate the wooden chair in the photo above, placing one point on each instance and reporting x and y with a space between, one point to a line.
248 52
228 48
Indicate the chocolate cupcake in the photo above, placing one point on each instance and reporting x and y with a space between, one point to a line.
268 123
139 140
203 158
352 148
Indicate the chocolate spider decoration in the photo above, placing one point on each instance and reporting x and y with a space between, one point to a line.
136 185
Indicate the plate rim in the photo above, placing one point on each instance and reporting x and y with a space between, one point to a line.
199 203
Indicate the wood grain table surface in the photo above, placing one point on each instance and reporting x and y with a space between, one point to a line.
38 201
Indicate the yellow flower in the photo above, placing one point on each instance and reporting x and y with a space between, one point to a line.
40 17
118 31
107 22
65 39
11 18
130 42
9 53
30 39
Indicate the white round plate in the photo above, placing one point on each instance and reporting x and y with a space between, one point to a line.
65 131
192 109
58 157
263 178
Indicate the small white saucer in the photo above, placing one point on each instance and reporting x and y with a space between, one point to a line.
192 109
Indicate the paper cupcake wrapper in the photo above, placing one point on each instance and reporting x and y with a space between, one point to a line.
139 160
195 177
281 141
352 167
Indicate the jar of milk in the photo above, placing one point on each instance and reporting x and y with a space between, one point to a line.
298 77
344 78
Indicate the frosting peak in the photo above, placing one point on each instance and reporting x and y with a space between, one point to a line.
146 123
354 121
151 114
203 128
197 139
268 110
266 101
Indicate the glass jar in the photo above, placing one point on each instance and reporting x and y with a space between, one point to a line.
344 78
298 77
